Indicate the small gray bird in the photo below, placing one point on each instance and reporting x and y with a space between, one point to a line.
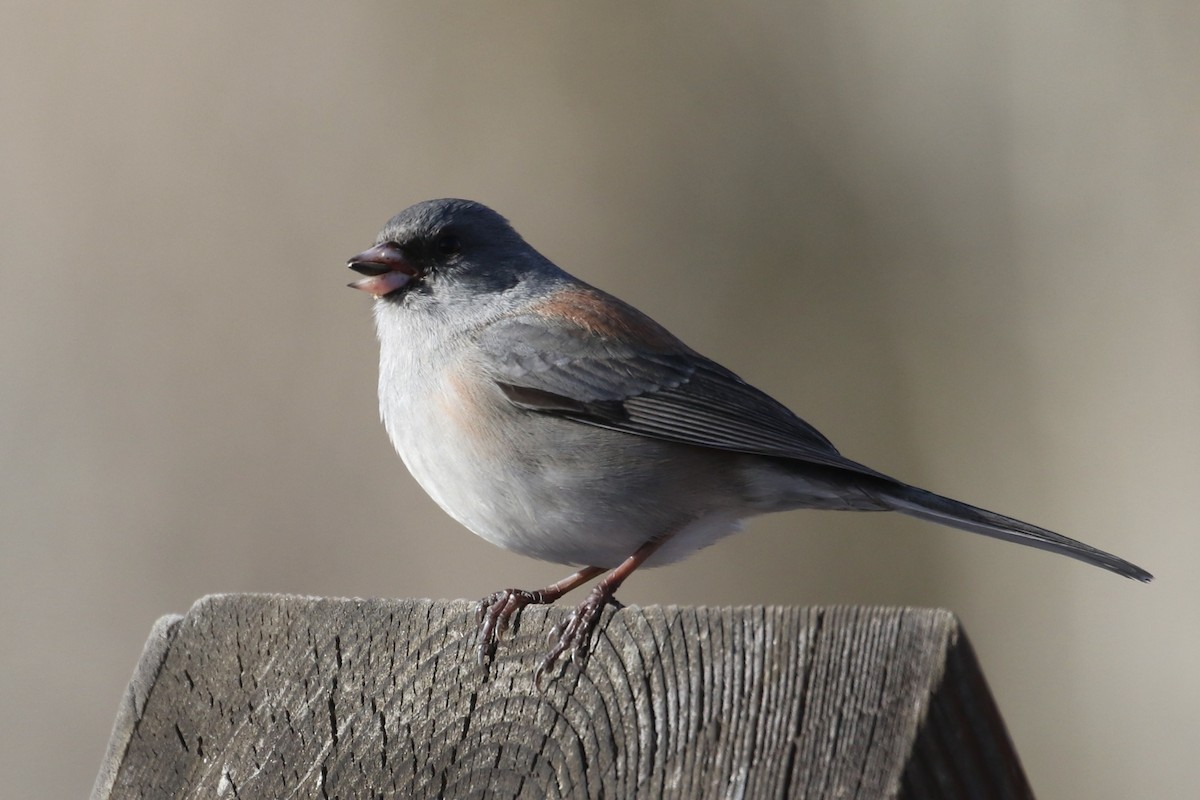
554 420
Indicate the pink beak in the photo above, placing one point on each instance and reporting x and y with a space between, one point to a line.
386 269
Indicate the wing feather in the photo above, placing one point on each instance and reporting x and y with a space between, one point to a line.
670 393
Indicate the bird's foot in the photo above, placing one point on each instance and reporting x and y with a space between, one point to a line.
574 634
495 612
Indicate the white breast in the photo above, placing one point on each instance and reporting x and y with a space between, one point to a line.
542 486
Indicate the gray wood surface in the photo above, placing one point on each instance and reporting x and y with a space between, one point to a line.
265 696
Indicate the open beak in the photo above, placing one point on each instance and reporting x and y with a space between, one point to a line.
386 269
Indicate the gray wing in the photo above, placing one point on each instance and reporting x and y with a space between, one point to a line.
669 392
666 391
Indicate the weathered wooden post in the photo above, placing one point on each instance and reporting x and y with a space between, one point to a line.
265 696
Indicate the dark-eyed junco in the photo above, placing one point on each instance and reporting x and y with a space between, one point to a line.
556 421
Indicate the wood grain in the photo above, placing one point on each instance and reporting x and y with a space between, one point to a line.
264 696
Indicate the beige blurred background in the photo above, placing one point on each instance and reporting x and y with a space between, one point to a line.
961 239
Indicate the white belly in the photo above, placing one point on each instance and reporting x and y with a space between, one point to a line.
554 489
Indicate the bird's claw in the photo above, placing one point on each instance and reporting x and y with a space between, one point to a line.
574 633
494 614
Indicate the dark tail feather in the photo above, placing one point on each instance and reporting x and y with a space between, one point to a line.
933 507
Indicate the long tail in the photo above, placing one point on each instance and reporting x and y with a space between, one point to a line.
933 507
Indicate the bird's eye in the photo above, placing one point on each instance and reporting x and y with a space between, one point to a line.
447 244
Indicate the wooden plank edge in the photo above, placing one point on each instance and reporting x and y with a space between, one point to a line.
133 702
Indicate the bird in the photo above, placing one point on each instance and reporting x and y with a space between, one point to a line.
556 421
